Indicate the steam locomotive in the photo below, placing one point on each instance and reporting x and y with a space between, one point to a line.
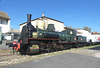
34 40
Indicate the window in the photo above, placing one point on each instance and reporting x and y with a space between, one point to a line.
4 22
0 21
75 32
0 28
66 31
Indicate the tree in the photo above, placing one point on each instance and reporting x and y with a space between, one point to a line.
87 28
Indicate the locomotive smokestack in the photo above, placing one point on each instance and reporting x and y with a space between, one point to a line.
29 18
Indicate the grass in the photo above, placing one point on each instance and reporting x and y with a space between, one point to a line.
87 47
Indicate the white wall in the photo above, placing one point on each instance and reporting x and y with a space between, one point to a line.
96 37
21 26
5 25
58 25
32 22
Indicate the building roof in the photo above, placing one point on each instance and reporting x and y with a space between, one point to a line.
43 17
93 33
14 31
80 29
69 28
79 32
4 15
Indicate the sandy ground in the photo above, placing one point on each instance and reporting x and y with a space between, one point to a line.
7 58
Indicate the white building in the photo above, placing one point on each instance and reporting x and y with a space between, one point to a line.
12 34
7 32
43 22
87 34
96 35
4 22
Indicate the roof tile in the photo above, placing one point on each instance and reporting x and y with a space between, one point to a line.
4 15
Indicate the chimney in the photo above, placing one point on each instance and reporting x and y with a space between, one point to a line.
42 14
28 18
70 26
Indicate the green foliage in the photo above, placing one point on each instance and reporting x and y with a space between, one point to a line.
87 28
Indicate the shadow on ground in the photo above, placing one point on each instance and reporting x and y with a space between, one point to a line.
95 48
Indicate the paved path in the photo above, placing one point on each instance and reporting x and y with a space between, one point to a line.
3 45
94 52
68 60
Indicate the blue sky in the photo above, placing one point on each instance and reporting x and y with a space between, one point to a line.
75 13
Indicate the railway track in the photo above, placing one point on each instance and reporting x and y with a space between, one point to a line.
7 54
5 57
